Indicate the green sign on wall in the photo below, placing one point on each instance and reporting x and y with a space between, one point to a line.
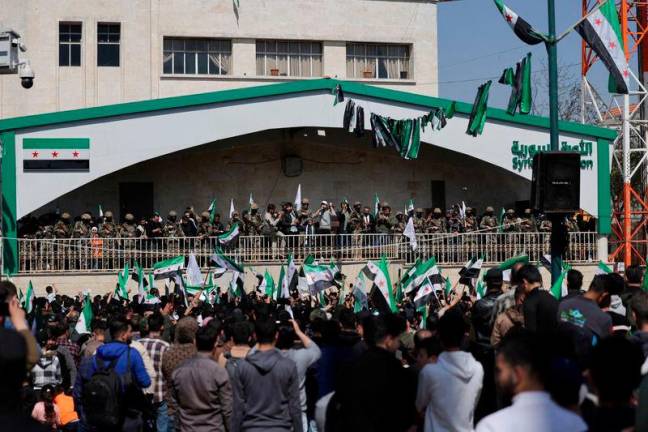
522 154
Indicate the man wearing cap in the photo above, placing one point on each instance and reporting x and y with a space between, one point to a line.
482 321
322 218
489 222
82 227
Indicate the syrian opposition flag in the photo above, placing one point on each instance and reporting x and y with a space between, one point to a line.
235 288
500 220
407 282
480 288
477 118
288 279
470 271
520 27
319 276
228 237
360 294
602 32
603 268
168 268
410 233
56 154
508 265
221 261
424 293
85 317
428 271
138 276
378 272
266 285
28 301
212 211
121 290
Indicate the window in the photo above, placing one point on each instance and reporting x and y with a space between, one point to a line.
69 44
365 60
108 36
192 56
288 58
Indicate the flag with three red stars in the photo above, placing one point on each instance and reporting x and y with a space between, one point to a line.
602 32
56 154
378 272
520 27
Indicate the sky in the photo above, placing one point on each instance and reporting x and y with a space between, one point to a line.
476 44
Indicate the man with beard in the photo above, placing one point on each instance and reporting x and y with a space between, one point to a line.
521 370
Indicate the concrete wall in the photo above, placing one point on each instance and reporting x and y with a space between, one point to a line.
144 23
72 284
336 166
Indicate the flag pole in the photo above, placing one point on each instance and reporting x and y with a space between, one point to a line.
556 240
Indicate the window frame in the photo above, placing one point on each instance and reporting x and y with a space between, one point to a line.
289 55
223 48
109 42
371 54
69 44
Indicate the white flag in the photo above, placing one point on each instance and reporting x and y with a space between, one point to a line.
410 233
232 211
194 276
298 198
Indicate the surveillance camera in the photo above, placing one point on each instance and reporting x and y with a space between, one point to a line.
26 75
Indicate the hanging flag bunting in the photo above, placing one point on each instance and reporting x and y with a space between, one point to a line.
520 83
478 114
339 95
602 32
520 27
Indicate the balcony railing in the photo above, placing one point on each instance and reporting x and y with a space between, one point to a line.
108 255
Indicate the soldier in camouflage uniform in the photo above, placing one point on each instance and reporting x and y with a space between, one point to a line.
545 225
171 228
306 217
571 224
511 222
470 241
436 223
489 222
109 230
62 230
527 223
253 222
419 220
399 225
384 222
82 227
205 226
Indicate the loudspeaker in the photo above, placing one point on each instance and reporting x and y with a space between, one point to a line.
555 185
292 166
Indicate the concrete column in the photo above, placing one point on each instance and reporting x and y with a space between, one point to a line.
244 57
334 59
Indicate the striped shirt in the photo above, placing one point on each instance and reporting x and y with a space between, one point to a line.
156 349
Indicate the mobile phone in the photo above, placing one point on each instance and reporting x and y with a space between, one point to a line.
4 309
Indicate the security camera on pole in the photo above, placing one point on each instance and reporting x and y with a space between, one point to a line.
12 60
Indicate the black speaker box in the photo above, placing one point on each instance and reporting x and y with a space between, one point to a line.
555 185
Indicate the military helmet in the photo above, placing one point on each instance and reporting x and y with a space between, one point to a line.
385 204
510 211
254 206
357 203
173 213
65 215
490 209
205 215
419 210
305 201
129 217
108 214
86 216
400 213
436 210
527 211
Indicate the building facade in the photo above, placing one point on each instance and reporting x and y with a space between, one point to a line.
97 52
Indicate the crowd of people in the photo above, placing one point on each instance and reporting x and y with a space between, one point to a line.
326 219
509 359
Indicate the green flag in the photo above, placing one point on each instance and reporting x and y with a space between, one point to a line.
21 297
500 220
478 114
122 281
448 286
212 211
559 288
376 205
603 268
85 317
28 303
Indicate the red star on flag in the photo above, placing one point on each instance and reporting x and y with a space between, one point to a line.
35 154
626 73
598 21
55 154
612 45
509 17
75 154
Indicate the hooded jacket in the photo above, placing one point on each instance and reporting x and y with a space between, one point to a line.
266 393
448 392
107 353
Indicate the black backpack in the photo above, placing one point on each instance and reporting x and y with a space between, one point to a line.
102 395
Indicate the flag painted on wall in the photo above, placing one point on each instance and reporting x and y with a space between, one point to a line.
56 154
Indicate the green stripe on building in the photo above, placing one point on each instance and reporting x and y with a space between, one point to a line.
55 143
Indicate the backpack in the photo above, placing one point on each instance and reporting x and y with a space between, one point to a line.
102 395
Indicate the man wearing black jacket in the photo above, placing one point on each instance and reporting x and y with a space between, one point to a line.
540 308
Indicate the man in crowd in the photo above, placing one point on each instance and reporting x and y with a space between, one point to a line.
201 389
540 307
156 347
634 277
266 390
574 284
449 389
126 362
522 366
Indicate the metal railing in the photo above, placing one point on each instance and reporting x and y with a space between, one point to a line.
111 254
